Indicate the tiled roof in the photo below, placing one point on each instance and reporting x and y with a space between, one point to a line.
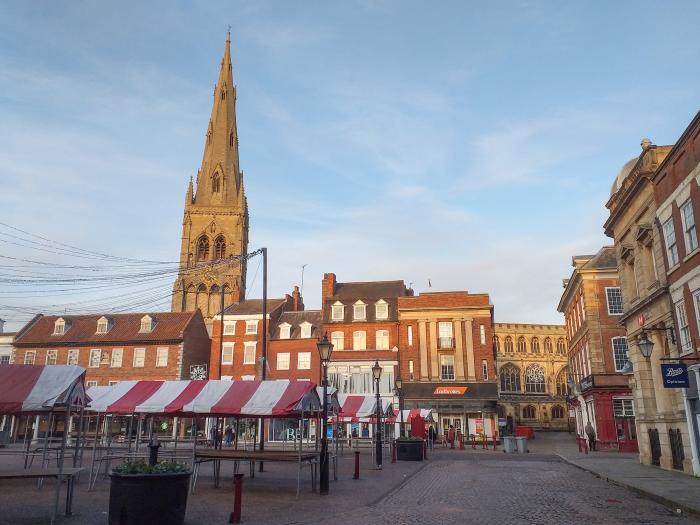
253 307
373 290
295 319
124 328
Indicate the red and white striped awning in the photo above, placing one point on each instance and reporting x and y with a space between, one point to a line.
38 388
408 415
359 408
281 398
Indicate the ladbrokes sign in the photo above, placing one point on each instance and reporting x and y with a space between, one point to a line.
450 390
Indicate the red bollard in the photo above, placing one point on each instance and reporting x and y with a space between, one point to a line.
237 486
484 442
473 441
357 465
393 452
494 441
461 442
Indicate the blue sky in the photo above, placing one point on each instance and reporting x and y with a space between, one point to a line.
472 144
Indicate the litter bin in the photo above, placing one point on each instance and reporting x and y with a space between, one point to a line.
522 444
509 444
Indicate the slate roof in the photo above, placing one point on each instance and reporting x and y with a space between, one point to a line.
369 293
605 258
124 328
295 319
253 307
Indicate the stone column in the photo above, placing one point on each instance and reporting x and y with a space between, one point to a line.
423 350
459 353
471 367
432 345
693 425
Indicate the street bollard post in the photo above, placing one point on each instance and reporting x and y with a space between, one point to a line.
461 442
357 465
484 442
473 441
494 441
237 493
585 446
393 451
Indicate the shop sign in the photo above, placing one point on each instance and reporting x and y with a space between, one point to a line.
502 422
479 421
450 390
675 376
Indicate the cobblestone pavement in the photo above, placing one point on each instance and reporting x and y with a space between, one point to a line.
498 489
471 486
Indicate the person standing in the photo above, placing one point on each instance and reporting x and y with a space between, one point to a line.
451 436
431 436
228 435
590 432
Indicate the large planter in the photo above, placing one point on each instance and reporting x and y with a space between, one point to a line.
148 499
409 450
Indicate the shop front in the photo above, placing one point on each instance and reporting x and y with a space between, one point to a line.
606 401
469 408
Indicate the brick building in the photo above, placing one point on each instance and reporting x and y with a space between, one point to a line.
447 358
243 337
597 345
677 197
117 347
533 374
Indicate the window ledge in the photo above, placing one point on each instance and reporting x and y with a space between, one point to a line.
673 268
691 254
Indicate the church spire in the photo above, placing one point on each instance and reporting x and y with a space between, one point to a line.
218 180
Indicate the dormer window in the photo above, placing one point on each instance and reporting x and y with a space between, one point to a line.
102 325
59 327
147 324
381 309
285 330
359 311
305 330
338 311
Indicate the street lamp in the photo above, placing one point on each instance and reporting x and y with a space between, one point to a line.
377 374
646 346
325 349
398 384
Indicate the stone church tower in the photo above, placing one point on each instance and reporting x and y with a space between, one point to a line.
215 222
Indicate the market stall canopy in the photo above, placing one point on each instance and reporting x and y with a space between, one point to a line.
280 398
408 415
32 389
358 408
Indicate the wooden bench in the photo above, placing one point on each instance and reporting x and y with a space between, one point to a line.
67 473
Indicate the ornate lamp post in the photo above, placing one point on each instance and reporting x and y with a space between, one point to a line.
325 349
377 374
398 384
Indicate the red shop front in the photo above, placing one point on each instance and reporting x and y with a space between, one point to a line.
608 401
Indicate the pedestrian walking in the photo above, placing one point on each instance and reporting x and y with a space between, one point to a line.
451 436
431 436
228 435
590 432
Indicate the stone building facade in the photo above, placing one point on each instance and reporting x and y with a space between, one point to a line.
677 197
215 220
659 412
533 374
597 345
119 347
447 361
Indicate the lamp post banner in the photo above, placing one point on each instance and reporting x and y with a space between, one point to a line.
675 376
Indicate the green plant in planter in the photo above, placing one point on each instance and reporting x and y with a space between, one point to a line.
141 467
409 439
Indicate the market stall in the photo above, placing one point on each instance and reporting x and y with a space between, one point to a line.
56 392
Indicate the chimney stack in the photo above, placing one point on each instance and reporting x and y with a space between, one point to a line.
297 300
327 287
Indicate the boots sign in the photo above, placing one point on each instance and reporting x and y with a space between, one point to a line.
675 376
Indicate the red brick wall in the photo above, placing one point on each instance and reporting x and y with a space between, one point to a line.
444 299
293 347
483 351
105 373
409 352
196 344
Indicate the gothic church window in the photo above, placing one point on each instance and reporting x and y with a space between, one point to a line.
510 378
522 345
561 346
557 412
548 345
529 412
219 248
203 249
562 383
509 344
216 183
534 379
535 345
